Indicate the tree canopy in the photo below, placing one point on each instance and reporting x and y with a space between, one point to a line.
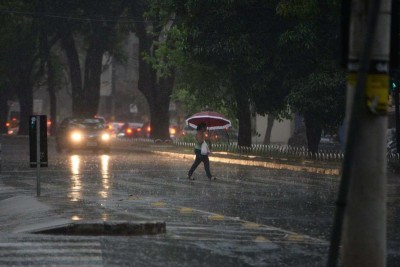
268 56
238 57
317 85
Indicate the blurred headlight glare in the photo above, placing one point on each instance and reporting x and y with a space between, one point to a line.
76 136
105 137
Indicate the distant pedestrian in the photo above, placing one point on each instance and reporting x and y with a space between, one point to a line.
201 152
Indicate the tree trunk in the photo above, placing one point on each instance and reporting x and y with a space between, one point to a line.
156 90
78 103
243 109
244 117
25 95
313 132
91 88
159 113
270 123
52 95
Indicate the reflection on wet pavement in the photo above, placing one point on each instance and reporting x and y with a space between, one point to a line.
249 216
76 185
105 174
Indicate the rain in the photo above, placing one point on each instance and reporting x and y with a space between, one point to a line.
108 106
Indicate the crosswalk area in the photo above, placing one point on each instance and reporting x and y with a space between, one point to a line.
34 250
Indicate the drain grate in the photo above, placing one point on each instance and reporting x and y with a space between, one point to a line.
105 228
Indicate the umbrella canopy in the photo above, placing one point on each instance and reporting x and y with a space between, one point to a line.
213 120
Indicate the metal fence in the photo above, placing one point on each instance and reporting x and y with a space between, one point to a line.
274 151
283 151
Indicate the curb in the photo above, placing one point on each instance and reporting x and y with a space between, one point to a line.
114 228
270 165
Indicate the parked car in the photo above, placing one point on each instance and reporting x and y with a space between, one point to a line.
12 126
187 131
174 131
145 131
114 128
131 130
83 133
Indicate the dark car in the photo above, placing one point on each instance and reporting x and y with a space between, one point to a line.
145 131
83 133
131 130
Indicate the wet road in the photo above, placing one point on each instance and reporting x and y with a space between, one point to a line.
248 217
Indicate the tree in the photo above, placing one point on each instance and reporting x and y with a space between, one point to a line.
47 62
317 84
320 99
204 87
92 29
19 43
225 36
5 95
156 88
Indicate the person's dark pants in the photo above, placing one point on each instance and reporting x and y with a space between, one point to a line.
200 158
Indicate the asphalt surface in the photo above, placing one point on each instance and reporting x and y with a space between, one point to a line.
250 216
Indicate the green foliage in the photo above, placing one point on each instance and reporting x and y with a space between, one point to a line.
168 54
213 41
321 95
297 8
203 87
282 51
189 138
18 40
317 85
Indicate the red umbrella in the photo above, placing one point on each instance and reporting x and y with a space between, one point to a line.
213 120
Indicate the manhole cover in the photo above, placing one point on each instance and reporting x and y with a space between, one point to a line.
105 228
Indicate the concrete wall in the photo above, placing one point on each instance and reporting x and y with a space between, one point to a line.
281 131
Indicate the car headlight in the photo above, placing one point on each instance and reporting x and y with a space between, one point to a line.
76 136
105 137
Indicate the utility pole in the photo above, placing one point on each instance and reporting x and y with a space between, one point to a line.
395 95
364 168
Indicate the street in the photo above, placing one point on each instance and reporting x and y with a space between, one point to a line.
249 216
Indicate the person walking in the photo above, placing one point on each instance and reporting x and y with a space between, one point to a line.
201 156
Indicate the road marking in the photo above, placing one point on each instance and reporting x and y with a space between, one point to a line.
65 252
216 217
186 210
159 204
251 225
289 235
295 237
261 239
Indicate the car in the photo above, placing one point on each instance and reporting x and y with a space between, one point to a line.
12 126
145 131
131 130
83 133
114 128
187 131
174 131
